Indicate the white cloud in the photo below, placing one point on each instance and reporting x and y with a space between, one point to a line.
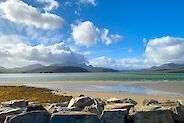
109 39
125 63
51 4
87 34
15 49
19 12
165 50
92 2
158 51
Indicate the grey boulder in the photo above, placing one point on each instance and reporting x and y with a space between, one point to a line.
29 117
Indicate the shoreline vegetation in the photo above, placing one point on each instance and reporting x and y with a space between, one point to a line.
32 94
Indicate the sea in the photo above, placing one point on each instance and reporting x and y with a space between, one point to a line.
166 84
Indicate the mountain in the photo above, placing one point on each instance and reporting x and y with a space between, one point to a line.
89 68
101 69
73 64
57 69
175 70
171 68
3 70
167 66
28 68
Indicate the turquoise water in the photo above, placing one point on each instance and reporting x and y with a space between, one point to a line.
8 78
150 84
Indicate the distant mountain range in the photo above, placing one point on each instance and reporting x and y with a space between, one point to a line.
56 68
169 68
71 67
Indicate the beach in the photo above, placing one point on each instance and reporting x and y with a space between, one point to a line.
83 88
94 85
108 95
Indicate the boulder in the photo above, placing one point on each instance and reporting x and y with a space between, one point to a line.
119 106
126 100
157 116
150 102
97 107
74 117
114 116
35 107
169 103
181 102
80 102
16 103
180 114
8 111
29 117
53 108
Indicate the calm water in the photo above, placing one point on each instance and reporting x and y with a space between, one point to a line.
161 84
8 78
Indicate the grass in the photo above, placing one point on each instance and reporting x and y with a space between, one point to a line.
32 94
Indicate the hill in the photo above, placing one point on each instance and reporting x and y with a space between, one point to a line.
169 68
28 68
57 69
101 69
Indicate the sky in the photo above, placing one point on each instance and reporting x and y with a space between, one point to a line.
121 34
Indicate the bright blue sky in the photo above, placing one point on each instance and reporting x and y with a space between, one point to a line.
132 20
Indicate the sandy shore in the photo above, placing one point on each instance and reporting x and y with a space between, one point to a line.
107 95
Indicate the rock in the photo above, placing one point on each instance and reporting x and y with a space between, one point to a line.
149 108
119 106
35 107
126 100
130 116
97 107
29 117
150 102
157 116
8 111
80 102
53 108
180 114
169 103
74 117
16 103
181 102
114 116
100 102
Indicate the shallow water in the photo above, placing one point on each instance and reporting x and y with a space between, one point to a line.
150 84
120 76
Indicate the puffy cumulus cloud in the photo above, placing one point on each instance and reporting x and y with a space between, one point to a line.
126 63
87 34
92 2
165 50
19 12
109 39
18 50
50 4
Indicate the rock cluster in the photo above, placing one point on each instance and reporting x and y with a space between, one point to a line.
84 109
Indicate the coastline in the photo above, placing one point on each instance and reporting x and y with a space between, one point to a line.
147 88
106 95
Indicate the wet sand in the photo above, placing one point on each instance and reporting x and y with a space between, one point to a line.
73 86
107 95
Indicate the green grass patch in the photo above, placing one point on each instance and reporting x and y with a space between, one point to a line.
32 94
